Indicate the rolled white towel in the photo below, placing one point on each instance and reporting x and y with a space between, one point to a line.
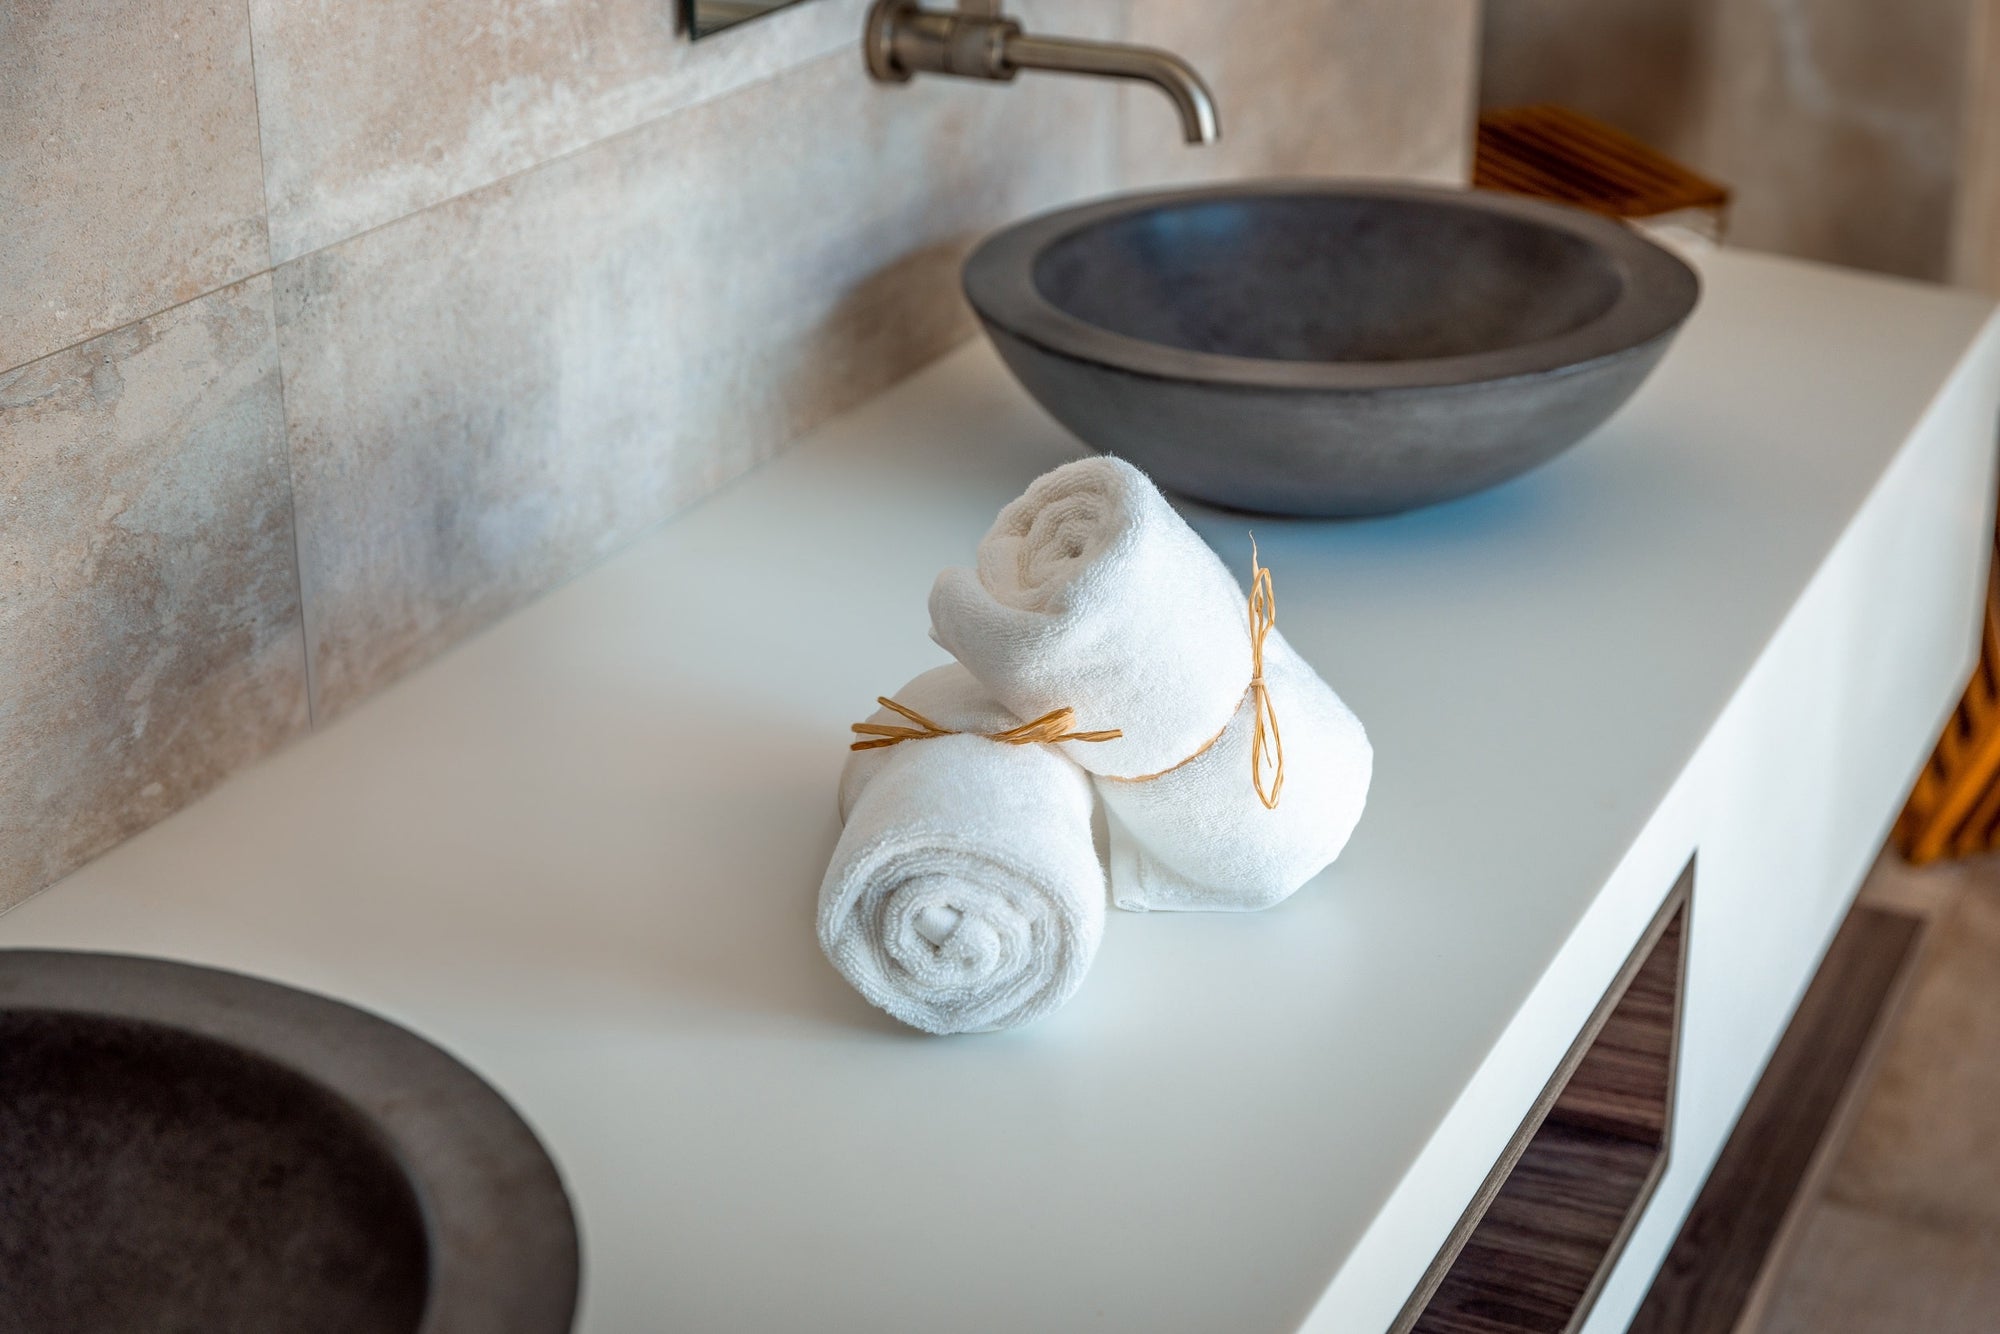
1199 837
965 894
1092 594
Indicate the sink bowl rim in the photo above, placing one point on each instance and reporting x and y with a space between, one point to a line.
479 1174
1658 290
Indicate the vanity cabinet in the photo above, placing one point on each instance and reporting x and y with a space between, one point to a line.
580 852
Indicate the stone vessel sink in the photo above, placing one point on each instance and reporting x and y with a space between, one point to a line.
1328 348
183 1149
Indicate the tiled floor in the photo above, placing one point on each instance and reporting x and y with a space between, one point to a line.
1906 1239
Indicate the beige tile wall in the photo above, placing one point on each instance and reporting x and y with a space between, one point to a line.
1640 64
1975 259
374 110
1336 87
1840 120
96 98
149 608
1839 124
545 273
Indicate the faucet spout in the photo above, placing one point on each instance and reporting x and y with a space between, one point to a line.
1144 64
977 41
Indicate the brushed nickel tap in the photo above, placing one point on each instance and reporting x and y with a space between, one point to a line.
977 41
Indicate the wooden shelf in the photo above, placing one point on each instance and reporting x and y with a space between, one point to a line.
1733 1244
1531 1253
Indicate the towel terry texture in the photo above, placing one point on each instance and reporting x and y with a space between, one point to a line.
1091 593
965 894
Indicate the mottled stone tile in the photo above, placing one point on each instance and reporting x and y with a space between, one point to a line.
150 638
374 109
1838 122
1927 1145
1312 87
1642 65
129 176
491 395
1976 219
1860 1273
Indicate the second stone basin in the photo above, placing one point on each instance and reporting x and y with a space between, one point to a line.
193 1150
1326 347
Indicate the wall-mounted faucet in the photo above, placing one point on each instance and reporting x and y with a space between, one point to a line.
977 41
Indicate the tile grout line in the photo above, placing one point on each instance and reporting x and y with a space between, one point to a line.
96 334
566 154
273 264
284 399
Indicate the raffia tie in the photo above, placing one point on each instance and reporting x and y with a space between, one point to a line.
1053 726
1267 747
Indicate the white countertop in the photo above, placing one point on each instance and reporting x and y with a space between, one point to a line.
582 851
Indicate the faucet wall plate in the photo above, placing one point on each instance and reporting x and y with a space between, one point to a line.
705 18
878 40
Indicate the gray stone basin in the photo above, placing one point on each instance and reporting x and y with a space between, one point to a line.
183 1149
1328 348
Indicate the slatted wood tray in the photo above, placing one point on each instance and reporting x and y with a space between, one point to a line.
1552 152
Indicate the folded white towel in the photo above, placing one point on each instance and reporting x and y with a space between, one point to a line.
1091 593
965 894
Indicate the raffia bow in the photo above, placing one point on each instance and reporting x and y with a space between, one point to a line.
1051 727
